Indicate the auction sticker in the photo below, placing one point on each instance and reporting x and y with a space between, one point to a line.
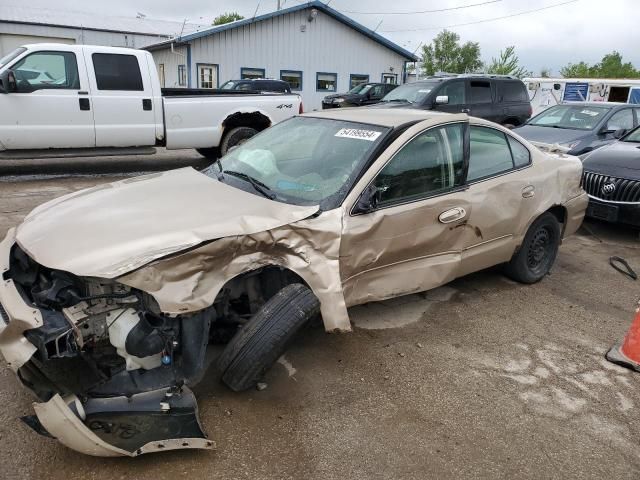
358 134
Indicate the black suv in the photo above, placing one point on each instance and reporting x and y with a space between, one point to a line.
501 99
363 94
258 85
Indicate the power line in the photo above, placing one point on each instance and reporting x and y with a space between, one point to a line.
526 12
424 11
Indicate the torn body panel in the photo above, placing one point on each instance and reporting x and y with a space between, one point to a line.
309 248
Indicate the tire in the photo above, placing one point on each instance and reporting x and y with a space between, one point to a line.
234 137
538 251
257 346
212 153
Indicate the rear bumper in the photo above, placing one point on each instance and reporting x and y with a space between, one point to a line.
576 209
624 213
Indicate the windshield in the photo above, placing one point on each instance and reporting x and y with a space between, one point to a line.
357 88
573 117
410 92
7 58
304 160
228 85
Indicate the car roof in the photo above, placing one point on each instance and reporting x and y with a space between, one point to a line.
385 117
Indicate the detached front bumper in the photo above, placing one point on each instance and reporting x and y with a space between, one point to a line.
152 420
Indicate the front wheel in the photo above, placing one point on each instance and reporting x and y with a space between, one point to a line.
259 343
537 252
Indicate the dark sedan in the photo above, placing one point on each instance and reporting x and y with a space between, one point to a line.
581 126
612 179
363 94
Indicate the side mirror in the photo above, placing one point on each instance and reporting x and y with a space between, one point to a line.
619 133
368 200
442 99
8 82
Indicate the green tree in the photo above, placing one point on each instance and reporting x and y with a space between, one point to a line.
446 54
227 17
508 63
545 72
611 66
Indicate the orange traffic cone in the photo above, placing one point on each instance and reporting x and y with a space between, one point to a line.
627 354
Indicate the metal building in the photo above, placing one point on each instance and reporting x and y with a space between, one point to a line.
24 25
315 48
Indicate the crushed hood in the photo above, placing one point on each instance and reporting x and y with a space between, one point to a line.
109 230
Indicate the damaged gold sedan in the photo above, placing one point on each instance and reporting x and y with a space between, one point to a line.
111 296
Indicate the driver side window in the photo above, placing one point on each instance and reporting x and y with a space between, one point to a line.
47 70
622 120
431 163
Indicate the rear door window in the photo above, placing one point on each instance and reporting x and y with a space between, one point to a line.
490 153
117 72
481 91
513 92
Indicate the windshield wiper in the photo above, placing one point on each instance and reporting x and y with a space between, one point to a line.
403 100
256 184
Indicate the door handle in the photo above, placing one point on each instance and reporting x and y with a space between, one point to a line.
84 104
529 191
452 215
146 104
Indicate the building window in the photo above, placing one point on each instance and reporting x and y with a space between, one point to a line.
161 74
251 73
357 79
117 72
293 78
391 78
326 82
207 75
182 76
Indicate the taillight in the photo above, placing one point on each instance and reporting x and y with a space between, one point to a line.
301 109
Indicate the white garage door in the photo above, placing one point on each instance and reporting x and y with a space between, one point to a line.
9 41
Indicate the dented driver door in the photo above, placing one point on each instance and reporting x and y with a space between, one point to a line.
411 241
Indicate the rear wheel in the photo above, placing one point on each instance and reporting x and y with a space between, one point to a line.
537 252
234 137
257 346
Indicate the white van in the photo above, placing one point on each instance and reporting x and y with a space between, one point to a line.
546 92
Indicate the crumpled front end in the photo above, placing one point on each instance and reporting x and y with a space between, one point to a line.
112 372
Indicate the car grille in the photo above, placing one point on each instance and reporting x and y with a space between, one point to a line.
3 315
611 189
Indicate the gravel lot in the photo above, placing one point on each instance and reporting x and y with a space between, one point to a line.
485 378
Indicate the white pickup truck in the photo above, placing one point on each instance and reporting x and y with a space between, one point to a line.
100 100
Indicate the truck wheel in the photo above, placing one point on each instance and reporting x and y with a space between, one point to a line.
537 252
212 153
234 137
257 346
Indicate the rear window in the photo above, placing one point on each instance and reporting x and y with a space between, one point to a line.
117 72
513 92
481 92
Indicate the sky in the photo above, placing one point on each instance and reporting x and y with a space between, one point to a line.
580 30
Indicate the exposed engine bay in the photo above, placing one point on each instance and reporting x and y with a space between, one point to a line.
107 346
106 356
